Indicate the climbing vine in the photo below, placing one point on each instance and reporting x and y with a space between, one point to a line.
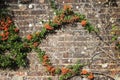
14 49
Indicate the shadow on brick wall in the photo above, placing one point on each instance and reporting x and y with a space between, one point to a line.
112 3
3 8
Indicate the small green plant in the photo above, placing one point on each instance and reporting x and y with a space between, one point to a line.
57 71
53 4
113 32
49 78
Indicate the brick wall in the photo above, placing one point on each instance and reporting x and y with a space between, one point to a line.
70 43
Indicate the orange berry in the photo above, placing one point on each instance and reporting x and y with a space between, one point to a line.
67 7
45 56
48 27
83 23
29 37
16 30
2 23
35 44
9 22
53 70
45 59
90 76
64 70
5 29
5 38
84 72
3 35
49 68
7 33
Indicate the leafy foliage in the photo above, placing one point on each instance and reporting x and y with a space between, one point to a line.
14 49
53 4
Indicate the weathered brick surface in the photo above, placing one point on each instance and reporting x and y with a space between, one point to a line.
70 43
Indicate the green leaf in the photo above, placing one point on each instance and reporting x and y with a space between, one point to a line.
58 71
53 4
42 33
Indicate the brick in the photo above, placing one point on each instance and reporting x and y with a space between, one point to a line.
67 55
20 73
42 7
67 1
14 6
17 78
34 73
21 12
38 12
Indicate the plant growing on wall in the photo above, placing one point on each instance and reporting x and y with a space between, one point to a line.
14 49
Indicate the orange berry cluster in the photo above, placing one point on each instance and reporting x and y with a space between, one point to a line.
52 69
89 74
4 28
65 70
29 37
48 27
63 18
67 7
49 67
